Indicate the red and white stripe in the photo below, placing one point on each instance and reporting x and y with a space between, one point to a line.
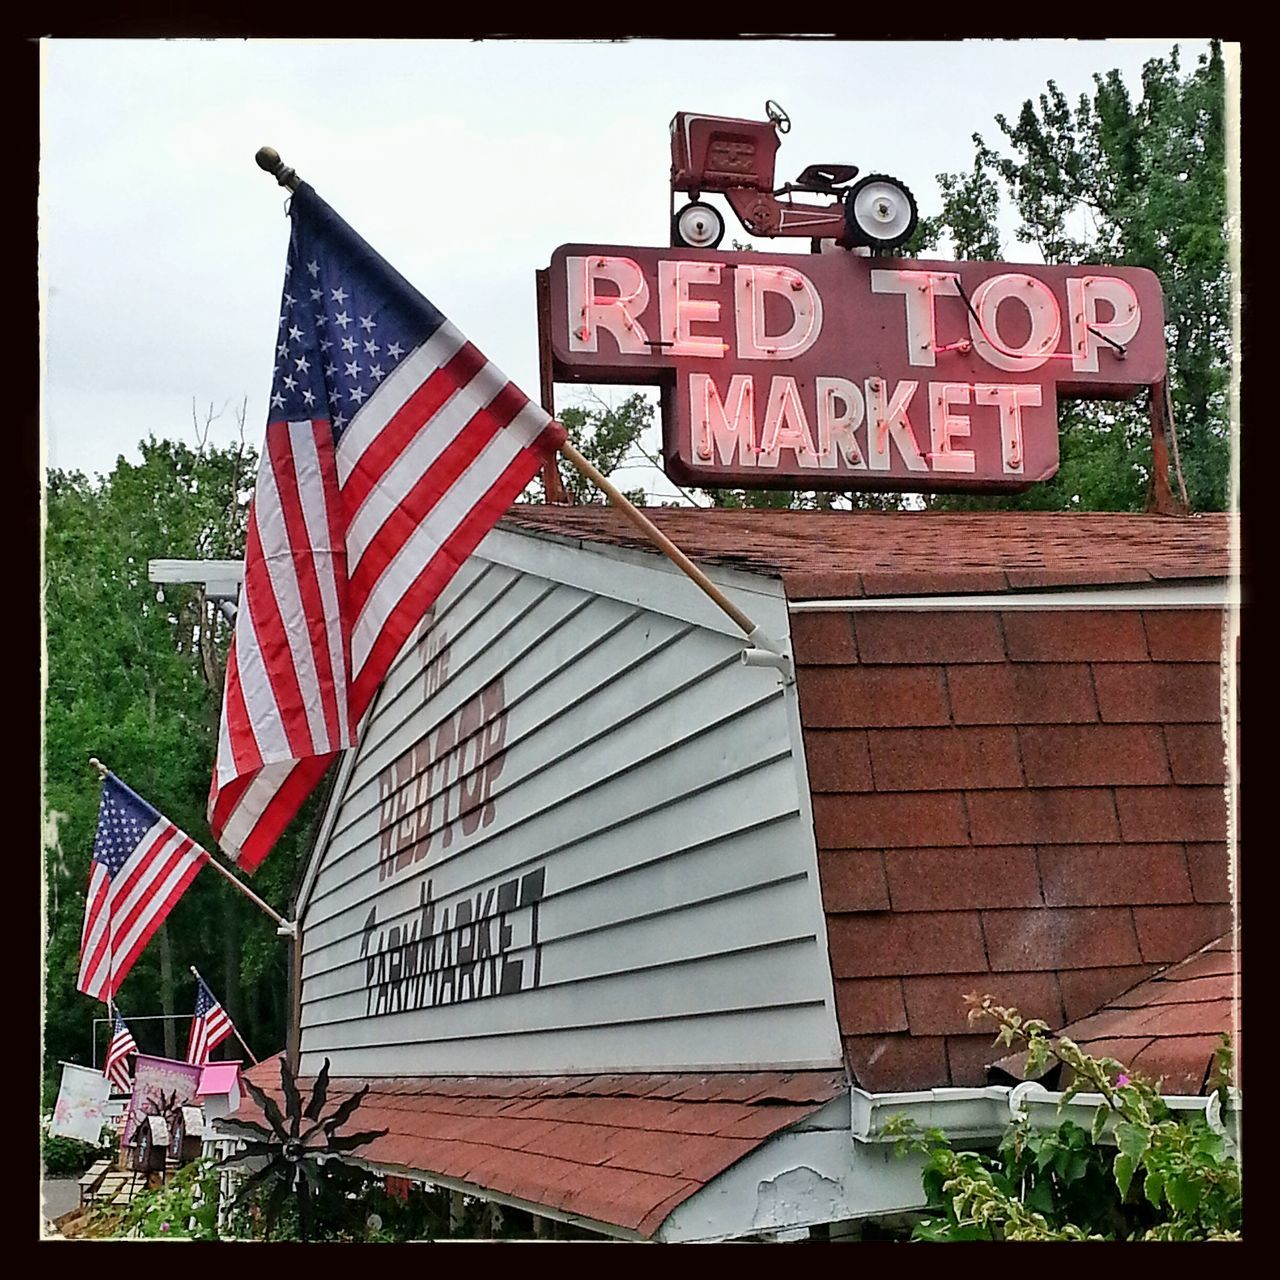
207 1034
347 550
115 1068
122 913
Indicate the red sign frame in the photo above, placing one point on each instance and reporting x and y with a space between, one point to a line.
839 371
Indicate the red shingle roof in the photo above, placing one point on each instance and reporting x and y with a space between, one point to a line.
1170 1026
823 554
623 1150
1027 804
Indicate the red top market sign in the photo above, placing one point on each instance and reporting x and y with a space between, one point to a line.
837 371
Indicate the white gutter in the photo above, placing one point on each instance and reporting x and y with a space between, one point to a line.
1044 1110
959 1113
968 1114
1214 593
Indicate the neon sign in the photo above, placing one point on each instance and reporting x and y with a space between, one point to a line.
836 371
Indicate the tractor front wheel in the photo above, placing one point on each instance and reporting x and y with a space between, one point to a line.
697 226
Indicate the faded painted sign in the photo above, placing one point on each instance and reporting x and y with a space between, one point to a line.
456 949
419 805
570 839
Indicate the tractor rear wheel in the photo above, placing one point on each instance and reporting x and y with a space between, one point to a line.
880 212
697 226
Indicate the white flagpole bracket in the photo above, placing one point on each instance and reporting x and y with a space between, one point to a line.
766 652
287 929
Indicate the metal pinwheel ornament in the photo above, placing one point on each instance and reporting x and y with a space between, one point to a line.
294 1156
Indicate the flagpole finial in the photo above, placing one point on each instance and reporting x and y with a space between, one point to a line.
101 768
268 159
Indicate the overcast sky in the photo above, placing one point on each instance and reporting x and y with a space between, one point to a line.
464 164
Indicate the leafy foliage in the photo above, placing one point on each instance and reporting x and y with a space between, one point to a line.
806 500
134 676
356 1207
1138 1173
605 435
64 1157
183 1206
1139 184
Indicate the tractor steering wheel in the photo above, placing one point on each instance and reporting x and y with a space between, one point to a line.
778 116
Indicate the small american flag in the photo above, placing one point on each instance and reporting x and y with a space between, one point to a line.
393 446
141 864
210 1027
121 1046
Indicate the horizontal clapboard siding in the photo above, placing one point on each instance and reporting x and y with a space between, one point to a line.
624 852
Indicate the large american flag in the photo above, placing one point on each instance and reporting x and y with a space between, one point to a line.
210 1027
393 446
141 864
122 1045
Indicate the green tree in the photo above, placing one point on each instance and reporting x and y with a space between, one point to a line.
1139 184
805 500
134 676
606 435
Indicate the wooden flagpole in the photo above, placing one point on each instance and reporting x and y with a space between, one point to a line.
248 893
269 160
664 544
234 1028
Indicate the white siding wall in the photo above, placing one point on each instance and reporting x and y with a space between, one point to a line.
634 836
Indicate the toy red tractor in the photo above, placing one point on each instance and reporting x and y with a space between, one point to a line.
735 159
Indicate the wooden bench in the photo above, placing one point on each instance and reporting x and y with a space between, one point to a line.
89 1181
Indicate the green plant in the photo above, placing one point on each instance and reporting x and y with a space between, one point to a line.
354 1207
64 1157
184 1206
297 1161
1138 1173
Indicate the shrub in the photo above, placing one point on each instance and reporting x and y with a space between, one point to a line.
185 1205
66 1157
1138 1173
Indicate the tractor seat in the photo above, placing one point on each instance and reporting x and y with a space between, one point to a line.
824 178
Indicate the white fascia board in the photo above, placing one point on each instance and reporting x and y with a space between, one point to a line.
985 1113
221 579
195 570
1212 593
799 1178
636 577
345 766
966 1114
